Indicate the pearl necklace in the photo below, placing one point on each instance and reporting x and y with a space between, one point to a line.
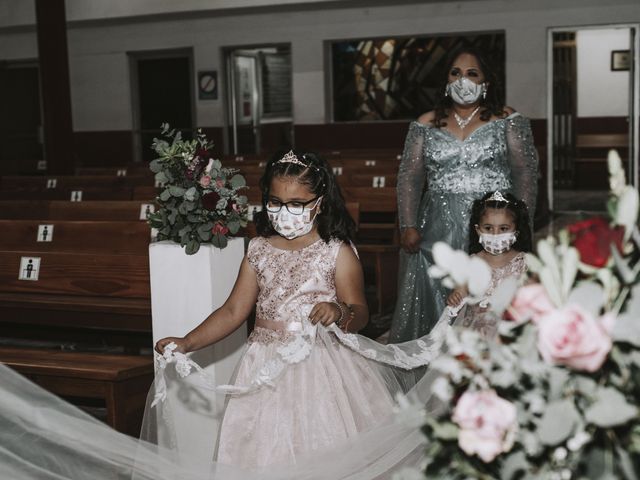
463 122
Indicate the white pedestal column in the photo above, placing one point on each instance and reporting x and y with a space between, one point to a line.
185 289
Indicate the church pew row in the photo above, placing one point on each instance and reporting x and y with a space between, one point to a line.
66 210
121 382
73 181
136 169
356 178
112 237
377 222
70 187
71 194
88 284
377 240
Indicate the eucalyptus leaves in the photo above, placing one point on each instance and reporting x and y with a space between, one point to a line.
200 201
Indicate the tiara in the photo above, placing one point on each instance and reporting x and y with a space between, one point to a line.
290 157
497 197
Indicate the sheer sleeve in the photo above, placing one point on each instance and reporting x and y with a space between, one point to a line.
411 176
523 159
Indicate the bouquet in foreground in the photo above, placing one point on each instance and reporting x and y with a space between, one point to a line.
555 395
200 201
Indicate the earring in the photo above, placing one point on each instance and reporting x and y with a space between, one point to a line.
484 94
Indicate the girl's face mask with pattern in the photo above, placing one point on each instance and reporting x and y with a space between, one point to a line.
293 219
496 231
497 244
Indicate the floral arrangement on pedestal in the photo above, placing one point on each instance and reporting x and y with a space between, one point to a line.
200 201
555 395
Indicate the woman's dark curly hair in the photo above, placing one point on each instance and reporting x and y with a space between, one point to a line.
493 104
518 210
333 220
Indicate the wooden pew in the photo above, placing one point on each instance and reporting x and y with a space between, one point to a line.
378 254
64 210
93 287
364 154
591 170
66 193
95 187
76 182
113 237
137 170
145 192
376 180
121 382
378 222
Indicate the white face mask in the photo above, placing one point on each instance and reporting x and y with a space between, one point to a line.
464 91
497 244
291 226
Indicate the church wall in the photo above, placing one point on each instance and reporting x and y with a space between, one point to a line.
99 66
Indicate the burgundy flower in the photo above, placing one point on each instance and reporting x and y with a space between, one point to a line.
210 200
218 228
593 239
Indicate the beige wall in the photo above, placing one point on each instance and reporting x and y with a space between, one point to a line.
99 40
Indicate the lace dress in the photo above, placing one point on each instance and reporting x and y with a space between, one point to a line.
438 179
317 401
477 316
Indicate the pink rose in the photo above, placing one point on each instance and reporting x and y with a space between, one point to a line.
573 337
488 424
205 181
218 228
220 182
530 302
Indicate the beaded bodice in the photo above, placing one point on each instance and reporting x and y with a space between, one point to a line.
499 155
291 281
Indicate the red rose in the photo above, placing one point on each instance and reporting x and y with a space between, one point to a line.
218 228
202 153
593 239
210 200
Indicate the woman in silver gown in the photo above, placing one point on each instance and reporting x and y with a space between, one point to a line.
468 145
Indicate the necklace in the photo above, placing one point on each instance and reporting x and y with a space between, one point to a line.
463 122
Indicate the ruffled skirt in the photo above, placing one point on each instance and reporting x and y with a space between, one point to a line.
327 398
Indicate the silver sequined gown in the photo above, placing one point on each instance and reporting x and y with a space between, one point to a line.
438 179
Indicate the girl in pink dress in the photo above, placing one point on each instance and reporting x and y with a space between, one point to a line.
499 234
305 383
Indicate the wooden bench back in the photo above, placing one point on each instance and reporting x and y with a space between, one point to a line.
376 180
75 182
373 200
605 140
63 210
140 169
111 237
66 193
124 276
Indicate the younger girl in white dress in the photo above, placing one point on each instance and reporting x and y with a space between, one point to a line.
499 233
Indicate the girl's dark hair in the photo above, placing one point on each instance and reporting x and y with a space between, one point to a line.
516 207
333 220
493 104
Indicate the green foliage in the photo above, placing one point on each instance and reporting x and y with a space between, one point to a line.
200 202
